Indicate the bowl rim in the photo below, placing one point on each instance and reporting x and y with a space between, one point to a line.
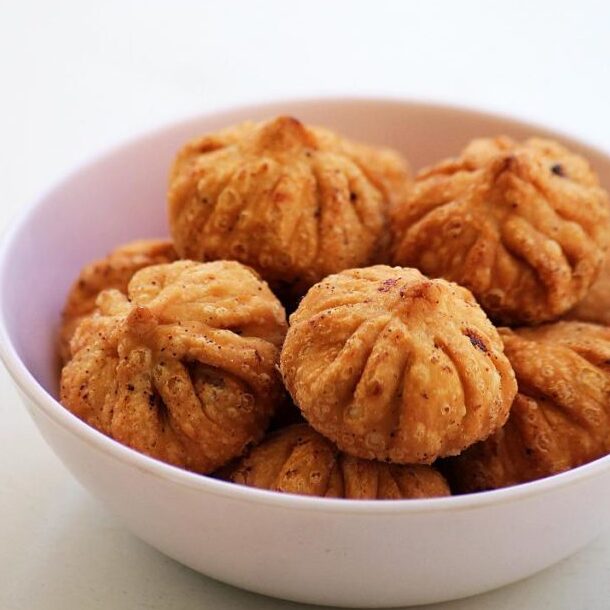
52 409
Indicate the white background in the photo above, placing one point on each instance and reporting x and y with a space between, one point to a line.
76 77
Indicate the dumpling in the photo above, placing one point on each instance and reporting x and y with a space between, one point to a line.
298 460
183 366
524 226
595 307
561 416
391 365
294 202
113 271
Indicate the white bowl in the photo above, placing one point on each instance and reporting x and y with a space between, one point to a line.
340 552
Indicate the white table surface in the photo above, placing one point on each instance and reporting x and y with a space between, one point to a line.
76 77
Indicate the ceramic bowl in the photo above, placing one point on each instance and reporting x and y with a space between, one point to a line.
339 552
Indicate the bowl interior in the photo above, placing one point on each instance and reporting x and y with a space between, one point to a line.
121 196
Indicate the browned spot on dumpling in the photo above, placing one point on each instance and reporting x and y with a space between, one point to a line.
475 339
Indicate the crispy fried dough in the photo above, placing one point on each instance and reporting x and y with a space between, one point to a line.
113 271
391 365
595 307
524 226
183 367
296 203
561 416
298 460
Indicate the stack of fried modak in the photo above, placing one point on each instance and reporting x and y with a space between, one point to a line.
390 380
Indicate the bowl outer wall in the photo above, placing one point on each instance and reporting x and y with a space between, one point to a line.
319 551
352 559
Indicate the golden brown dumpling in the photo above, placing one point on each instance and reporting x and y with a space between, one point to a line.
298 460
391 365
523 226
595 307
296 203
113 271
561 416
183 367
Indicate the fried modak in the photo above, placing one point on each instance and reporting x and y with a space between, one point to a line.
561 416
524 226
595 307
298 460
391 365
113 271
296 203
181 367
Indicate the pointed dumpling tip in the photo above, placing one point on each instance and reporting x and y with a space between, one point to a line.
285 132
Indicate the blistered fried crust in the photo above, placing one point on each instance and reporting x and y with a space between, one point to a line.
390 365
295 203
561 416
113 271
595 307
183 367
298 460
523 226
